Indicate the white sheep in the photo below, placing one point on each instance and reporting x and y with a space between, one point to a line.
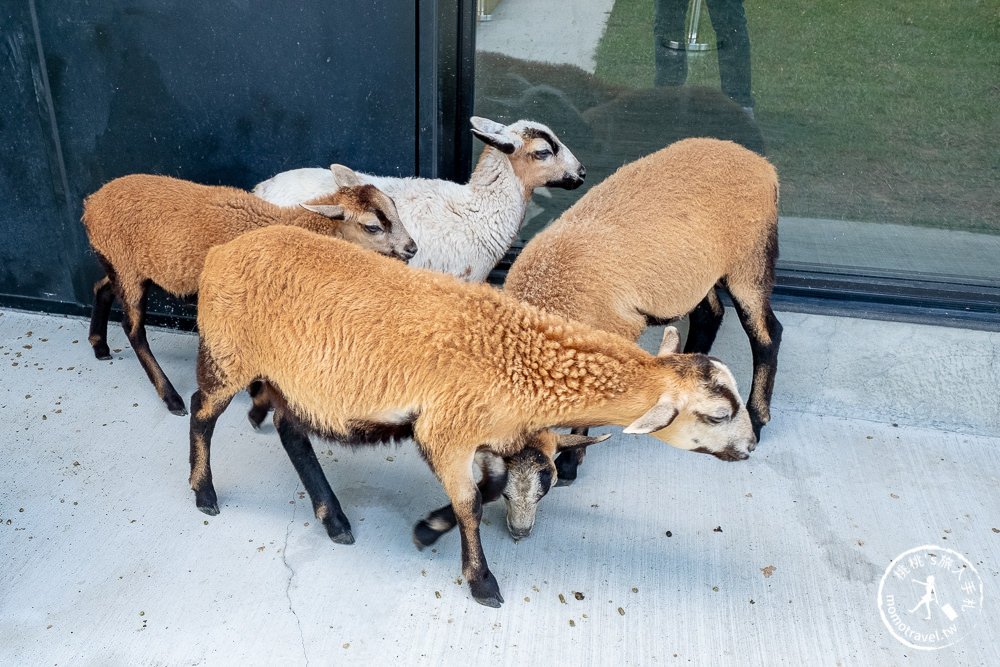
650 244
156 229
460 229
456 366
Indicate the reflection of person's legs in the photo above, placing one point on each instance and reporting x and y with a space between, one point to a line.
671 64
730 24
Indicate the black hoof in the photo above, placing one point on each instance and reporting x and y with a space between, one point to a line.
255 418
339 529
487 591
207 501
102 351
176 405
210 510
343 537
424 535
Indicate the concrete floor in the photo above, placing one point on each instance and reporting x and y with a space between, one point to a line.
884 438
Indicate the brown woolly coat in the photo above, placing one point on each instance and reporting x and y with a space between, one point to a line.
351 339
693 213
161 228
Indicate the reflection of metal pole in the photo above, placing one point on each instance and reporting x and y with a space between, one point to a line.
692 44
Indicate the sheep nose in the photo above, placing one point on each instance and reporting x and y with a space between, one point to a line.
518 533
409 250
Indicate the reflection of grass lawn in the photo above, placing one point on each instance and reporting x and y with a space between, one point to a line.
876 111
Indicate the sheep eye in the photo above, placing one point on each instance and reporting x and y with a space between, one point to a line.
543 154
716 419
373 229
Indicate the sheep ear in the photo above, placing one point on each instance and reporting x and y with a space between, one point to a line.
331 211
344 177
657 417
671 343
569 440
495 134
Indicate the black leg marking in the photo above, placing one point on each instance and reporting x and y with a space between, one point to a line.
482 583
569 460
300 452
203 418
261 404
135 328
104 296
764 331
704 320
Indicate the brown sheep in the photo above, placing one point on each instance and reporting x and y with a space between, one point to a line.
650 244
456 366
156 229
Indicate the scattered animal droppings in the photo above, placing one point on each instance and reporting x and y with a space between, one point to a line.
389 459
437 594
868 437
561 598
27 395
306 523
768 571
27 347
572 624
715 588
635 590
717 529
135 405
578 595
893 495
527 599
669 534
75 342
348 644
621 611
752 602
206 523
996 530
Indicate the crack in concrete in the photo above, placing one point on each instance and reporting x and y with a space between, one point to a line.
291 577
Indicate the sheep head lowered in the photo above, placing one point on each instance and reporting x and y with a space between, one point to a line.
536 154
369 217
700 411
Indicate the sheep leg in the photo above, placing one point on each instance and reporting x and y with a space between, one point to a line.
764 332
569 459
704 320
300 451
440 521
467 502
134 323
261 404
104 296
205 411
